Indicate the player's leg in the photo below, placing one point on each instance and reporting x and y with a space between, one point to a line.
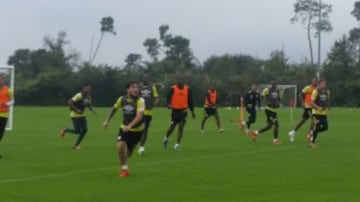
179 135
269 124
3 121
217 119
182 122
251 118
306 115
173 123
147 121
206 116
123 153
276 126
82 131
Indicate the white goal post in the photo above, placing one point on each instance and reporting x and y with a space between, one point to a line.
8 73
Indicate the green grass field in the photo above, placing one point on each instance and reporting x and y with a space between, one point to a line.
38 165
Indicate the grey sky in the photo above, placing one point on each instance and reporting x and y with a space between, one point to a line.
254 27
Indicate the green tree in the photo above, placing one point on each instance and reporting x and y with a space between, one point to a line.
152 48
107 26
307 11
133 61
356 11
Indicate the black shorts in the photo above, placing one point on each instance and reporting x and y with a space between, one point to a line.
211 111
131 138
307 113
320 122
178 116
147 120
271 117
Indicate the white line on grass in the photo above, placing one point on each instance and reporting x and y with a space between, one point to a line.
65 174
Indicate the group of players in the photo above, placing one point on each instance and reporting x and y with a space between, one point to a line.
140 98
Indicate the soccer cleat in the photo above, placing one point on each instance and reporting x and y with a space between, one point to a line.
63 132
77 147
177 147
221 130
124 173
165 143
141 151
292 136
202 131
253 136
247 133
313 145
242 126
277 142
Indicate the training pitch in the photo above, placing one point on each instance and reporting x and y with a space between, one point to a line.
38 165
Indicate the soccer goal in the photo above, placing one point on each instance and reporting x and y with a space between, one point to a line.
8 73
288 94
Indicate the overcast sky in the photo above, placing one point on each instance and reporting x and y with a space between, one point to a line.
215 27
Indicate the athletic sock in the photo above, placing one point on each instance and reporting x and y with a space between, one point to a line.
125 167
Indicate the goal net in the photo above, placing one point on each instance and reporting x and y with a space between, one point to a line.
8 74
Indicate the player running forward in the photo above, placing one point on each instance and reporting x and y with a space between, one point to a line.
210 108
320 101
6 100
305 97
78 103
272 98
149 92
179 99
131 128
252 98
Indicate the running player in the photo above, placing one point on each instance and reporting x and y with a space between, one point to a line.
6 100
252 98
179 100
320 101
305 97
272 97
210 108
78 103
149 92
131 128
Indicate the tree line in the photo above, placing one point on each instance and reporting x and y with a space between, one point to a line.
50 75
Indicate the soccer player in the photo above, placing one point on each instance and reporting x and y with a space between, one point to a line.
6 100
210 108
78 103
252 98
320 101
179 99
131 128
149 92
272 97
305 97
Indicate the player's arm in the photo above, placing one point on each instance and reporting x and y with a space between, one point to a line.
155 95
112 112
247 100
191 103
139 115
313 98
329 100
169 96
71 101
11 98
90 107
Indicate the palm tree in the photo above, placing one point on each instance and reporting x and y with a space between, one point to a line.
107 25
